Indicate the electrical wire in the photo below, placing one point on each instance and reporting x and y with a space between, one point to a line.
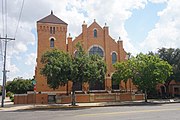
6 22
2 14
19 18
2 18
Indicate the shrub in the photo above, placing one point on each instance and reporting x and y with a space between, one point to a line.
9 94
12 98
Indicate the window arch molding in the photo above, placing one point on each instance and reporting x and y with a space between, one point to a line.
51 41
75 53
114 52
114 57
52 38
98 47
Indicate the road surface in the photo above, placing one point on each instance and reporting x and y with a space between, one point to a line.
146 112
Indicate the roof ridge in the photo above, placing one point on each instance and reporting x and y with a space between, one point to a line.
51 19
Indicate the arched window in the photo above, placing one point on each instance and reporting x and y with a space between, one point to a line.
95 33
114 58
52 43
96 50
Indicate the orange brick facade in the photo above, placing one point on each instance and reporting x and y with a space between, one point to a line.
88 38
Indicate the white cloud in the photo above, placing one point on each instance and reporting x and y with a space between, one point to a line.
31 59
74 12
167 31
158 1
11 67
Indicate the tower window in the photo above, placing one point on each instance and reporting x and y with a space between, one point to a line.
95 33
50 30
52 43
53 30
114 58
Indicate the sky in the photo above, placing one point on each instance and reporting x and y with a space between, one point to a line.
143 25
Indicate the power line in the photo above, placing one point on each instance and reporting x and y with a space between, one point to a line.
19 18
1 51
2 17
6 22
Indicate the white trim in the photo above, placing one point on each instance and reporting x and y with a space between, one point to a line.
74 52
95 29
52 38
114 52
95 45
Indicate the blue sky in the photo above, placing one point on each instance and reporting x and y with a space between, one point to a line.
142 21
143 25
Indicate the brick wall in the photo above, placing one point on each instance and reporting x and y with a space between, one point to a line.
30 98
81 98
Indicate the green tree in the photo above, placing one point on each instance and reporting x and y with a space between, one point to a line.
19 85
86 69
150 70
57 68
124 71
96 69
172 56
146 71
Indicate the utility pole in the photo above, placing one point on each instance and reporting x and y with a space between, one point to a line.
6 39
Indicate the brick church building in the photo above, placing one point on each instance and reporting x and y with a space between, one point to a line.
52 33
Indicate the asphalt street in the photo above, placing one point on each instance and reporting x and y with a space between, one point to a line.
146 112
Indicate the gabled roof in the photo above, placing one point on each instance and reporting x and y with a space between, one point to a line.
51 19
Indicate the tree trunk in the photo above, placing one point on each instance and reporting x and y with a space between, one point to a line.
145 96
73 102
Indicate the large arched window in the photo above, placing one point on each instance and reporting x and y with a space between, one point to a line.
114 57
52 43
95 33
96 50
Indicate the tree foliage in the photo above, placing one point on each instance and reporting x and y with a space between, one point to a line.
80 66
172 56
96 69
57 68
124 71
150 70
87 68
146 71
19 85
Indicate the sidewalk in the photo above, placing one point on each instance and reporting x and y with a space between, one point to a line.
9 106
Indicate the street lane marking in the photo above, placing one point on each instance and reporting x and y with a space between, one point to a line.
127 112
